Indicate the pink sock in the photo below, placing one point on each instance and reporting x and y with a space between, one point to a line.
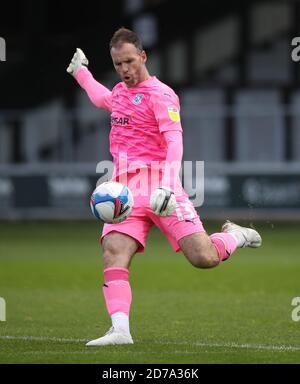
116 290
225 244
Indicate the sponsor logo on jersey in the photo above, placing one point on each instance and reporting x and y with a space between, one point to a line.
138 99
174 114
120 120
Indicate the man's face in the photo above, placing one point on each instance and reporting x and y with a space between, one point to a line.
129 63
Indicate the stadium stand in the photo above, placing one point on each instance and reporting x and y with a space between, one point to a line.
231 67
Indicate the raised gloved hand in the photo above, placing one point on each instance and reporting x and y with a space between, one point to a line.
79 59
163 201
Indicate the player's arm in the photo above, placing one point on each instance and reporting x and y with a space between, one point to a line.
99 95
173 159
163 201
166 111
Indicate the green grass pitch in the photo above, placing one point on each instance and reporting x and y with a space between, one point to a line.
239 312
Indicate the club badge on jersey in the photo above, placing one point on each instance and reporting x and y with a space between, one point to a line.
138 99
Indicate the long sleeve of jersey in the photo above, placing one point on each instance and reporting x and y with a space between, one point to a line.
173 159
99 95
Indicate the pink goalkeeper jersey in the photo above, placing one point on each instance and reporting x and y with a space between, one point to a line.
139 115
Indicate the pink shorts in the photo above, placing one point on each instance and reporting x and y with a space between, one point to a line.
184 221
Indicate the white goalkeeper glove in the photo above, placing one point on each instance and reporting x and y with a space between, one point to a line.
163 201
77 62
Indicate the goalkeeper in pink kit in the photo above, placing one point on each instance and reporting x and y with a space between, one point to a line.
146 129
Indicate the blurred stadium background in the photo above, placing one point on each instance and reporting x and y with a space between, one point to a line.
229 62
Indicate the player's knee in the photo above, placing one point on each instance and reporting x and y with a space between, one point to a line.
117 251
204 260
115 257
109 256
205 263
199 250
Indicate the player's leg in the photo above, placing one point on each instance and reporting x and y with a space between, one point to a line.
199 250
185 232
120 242
205 251
118 251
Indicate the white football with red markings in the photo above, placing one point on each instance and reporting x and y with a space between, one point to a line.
111 202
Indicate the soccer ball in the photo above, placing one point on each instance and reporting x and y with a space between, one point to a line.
111 202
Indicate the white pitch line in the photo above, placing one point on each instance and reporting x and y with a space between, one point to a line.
95 351
43 338
239 346
280 348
